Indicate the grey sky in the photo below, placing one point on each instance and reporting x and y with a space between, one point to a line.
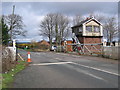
33 12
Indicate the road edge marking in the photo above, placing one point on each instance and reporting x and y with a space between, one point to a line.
97 69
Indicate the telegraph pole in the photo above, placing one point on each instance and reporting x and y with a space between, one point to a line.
12 21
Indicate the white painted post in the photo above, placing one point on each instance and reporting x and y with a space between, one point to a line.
101 30
66 45
14 43
14 48
84 30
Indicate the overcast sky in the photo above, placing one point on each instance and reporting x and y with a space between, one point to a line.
33 12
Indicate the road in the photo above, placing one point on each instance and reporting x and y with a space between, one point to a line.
59 70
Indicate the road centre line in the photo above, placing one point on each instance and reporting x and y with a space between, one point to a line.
62 53
58 58
68 55
41 64
96 69
94 76
86 73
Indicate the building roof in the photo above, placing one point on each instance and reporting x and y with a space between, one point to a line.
85 21
44 42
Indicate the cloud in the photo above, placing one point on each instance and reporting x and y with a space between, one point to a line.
32 21
34 12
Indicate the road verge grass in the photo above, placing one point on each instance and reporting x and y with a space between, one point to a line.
8 78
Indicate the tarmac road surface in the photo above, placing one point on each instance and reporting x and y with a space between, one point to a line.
59 70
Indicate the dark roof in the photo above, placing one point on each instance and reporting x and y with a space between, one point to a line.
79 24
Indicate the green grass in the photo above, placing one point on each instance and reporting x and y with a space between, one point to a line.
8 78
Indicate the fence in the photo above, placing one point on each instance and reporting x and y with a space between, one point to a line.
111 52
111 44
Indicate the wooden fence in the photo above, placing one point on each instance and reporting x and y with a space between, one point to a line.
111 52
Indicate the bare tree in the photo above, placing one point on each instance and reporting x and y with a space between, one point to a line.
56 22
55 26
77 19
61 27
46 27
99 17
110 28
15 25
0 31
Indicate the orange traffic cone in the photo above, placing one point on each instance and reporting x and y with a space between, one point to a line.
29 60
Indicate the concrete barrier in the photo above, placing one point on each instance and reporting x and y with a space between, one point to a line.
111 52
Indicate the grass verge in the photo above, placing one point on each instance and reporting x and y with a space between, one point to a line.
8 78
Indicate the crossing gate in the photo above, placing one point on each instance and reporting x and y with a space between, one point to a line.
89 49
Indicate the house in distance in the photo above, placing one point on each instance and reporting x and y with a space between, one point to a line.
89 32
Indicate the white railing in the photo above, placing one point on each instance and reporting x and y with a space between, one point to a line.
76 39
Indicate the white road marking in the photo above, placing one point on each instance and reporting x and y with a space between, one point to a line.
86 73
57 53
37 53
41 64
76 56
94 76
58 58
97 69
62 53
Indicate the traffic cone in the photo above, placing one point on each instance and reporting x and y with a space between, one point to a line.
29 59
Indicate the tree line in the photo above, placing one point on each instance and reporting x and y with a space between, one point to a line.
54 26
57 26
